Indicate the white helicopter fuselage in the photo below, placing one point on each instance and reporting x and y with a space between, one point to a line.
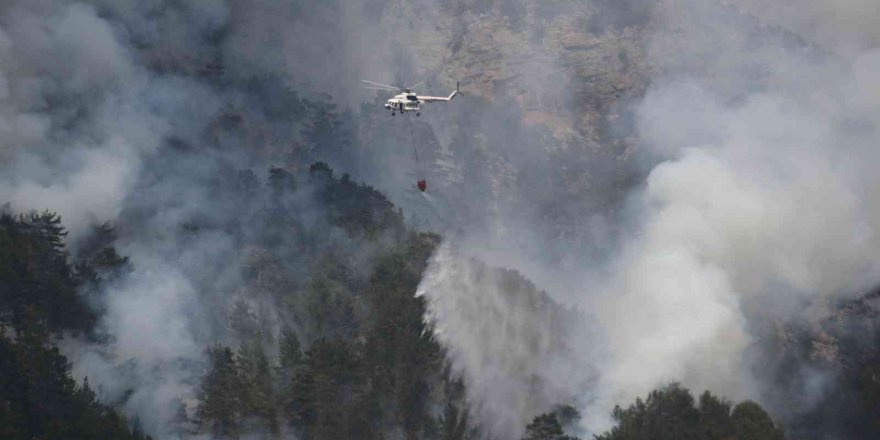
404 102
409 101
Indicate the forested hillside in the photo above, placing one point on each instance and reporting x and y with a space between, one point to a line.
42 296
212 230
357 362
842 349
365 366
353 359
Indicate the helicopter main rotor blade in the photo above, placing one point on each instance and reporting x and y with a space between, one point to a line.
413 87
381 85
380 88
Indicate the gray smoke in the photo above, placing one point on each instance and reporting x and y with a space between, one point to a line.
105 112
759 200
72 131
677 174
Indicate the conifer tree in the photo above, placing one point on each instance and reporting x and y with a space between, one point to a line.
290 353
546 427
257 382
220 400
751 422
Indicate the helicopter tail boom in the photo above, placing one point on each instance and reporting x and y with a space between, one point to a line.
440 98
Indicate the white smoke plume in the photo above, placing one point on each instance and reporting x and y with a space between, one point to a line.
61 63
525 363
759 200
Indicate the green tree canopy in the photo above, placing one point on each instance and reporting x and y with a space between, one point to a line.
671 413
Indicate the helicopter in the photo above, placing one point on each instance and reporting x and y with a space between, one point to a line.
408 100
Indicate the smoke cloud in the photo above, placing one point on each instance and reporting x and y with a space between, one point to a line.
526 364
108 112
676 175
757 204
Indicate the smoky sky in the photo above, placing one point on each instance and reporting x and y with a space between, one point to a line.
675 173
751 204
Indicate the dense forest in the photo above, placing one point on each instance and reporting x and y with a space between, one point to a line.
365 367
43 295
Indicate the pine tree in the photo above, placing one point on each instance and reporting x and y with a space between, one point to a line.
39 399
670 414
715 422
258 399
36 276
546 427
10 421
220 400
322 405
290 353
181 425
751 422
